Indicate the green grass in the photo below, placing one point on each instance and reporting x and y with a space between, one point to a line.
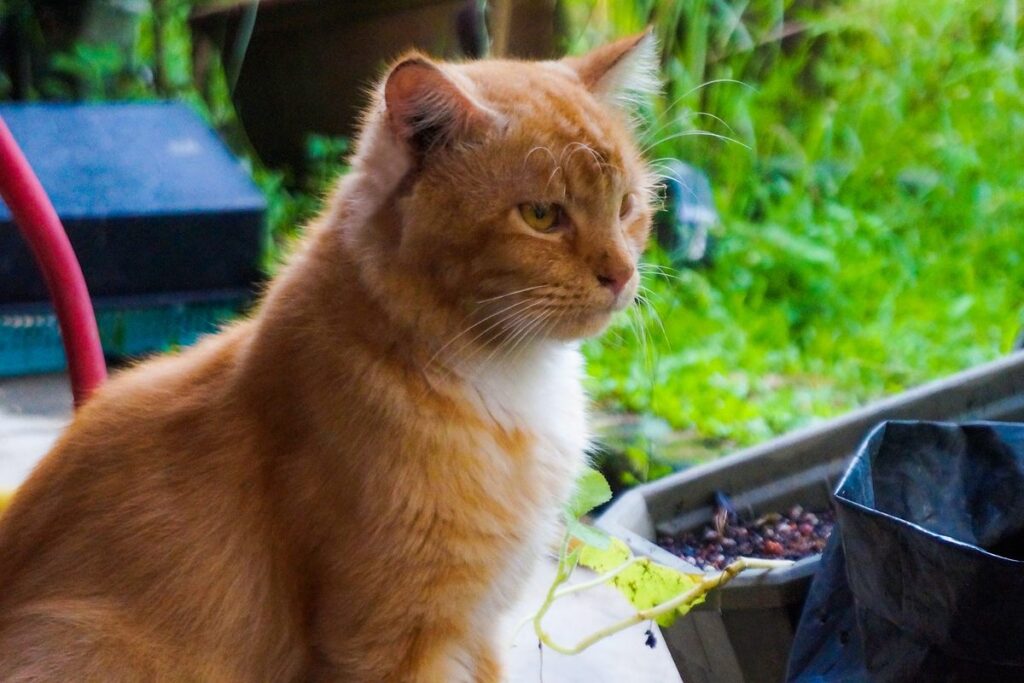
872 223
872 202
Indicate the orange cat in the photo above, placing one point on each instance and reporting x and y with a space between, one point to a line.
352 484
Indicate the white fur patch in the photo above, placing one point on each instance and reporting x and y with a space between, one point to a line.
537 390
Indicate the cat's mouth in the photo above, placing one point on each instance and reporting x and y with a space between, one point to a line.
588 322
622 302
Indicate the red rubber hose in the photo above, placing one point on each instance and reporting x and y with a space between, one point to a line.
36 218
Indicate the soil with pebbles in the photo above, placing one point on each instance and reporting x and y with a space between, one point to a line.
792 535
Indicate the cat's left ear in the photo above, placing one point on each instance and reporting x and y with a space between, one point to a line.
619 72
426 108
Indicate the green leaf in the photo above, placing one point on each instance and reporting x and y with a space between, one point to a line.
588 534
591 490
645 584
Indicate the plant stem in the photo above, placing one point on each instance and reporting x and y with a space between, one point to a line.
603 578
706 585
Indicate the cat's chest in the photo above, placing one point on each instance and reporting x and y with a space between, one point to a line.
533 411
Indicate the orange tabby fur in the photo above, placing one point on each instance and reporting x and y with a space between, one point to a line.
352 484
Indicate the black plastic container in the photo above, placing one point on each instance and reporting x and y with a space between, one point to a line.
743 633
923 578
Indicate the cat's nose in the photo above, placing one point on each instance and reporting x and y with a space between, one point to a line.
615 280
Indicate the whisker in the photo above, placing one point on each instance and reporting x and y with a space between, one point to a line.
673 120
518 291
674 174
477 324
519 331
653 311
656 270
513 316
705 84
706 133
514 341
548 320
636 330
716 118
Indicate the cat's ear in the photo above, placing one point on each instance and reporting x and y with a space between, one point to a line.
426 108
621 71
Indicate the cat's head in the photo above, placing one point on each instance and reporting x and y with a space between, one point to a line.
516 195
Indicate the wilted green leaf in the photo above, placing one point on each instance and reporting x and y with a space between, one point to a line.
645 584
588 534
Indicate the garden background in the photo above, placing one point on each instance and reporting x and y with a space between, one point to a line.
866 162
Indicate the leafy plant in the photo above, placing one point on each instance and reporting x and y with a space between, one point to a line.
95 72
657 592
865 160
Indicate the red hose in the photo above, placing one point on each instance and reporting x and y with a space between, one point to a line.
36 218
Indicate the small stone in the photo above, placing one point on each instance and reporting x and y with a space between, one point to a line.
791 536
770 518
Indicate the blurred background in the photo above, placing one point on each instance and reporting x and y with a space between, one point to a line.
843 201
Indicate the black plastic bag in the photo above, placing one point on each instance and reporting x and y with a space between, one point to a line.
921 581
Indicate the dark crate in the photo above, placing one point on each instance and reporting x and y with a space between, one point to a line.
151 199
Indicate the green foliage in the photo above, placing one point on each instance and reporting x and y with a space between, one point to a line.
292 203
97 72
872 213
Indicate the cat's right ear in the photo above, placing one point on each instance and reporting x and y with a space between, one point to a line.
425 108
622 71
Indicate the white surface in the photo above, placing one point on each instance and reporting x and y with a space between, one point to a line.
622 658
33 410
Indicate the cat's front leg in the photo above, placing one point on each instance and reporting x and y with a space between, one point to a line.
472 661
488 666
485 662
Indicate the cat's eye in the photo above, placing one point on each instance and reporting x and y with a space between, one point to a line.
626 207
542 217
